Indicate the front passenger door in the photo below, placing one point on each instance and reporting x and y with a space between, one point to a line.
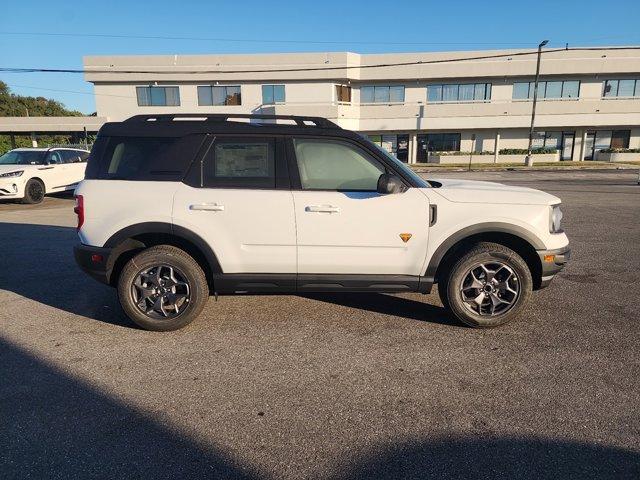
344 226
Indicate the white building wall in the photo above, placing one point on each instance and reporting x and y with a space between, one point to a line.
313 93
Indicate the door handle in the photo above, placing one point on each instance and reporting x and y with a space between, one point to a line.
322 209
208 207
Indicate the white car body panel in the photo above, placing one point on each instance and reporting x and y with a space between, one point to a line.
56 178
250 231
110 206
362 235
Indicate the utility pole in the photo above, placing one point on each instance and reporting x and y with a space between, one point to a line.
529 159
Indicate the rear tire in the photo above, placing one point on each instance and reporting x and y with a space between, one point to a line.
33 192
162 288
489 286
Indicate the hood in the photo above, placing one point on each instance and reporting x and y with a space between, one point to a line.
470 191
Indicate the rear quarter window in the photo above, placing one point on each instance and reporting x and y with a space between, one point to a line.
142 158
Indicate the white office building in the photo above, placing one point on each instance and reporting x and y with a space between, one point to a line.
417 105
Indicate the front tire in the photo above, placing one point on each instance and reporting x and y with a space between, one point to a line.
489 286
162 288
33 192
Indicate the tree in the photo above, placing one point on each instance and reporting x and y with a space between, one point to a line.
12 105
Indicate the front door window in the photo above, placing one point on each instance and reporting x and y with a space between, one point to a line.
336 165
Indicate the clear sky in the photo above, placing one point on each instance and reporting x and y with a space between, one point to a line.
248 26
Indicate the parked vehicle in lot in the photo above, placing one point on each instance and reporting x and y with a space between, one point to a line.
30 173
175 207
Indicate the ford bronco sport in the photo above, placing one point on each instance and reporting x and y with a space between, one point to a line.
175 207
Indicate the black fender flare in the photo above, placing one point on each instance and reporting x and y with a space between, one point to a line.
121 236
488 227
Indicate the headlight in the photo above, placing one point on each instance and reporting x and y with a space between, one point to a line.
555 219
12 174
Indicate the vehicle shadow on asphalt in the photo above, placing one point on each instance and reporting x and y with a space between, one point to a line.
488 456
37 263
55 426
389 305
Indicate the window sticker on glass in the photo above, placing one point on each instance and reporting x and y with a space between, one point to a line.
242 160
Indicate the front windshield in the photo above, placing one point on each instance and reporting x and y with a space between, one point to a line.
419 181
22 157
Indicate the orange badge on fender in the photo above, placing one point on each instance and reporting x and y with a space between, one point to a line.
405 237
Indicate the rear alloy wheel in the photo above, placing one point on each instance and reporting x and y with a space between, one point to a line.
488 286
33 192
162 288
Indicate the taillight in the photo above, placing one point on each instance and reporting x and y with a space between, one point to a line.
79 210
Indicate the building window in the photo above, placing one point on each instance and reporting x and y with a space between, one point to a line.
437 142
382 94
547 90
153 96
272 94
343 93
223 95
626 88
546 140
467 92
397 145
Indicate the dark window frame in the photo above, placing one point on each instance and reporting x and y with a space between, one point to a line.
487 92
341 89
226 96
542 90
196 176
273 93
388 88
158 87
608 95
293 164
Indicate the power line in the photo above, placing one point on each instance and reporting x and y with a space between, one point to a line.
69 91
252 40
315 69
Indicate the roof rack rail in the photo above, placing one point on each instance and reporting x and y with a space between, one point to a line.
302 121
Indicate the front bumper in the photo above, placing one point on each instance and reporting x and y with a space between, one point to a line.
552 262
94 261
11 188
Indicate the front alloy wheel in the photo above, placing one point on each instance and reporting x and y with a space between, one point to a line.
488 286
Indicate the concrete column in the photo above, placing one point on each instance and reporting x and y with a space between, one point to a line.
583 145
34 140
577 146
13 140
496 147
413 148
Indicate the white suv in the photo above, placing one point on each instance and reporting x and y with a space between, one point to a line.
30 173
175 207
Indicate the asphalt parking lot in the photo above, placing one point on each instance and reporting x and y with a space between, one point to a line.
328 386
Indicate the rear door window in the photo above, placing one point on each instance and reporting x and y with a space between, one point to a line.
240 163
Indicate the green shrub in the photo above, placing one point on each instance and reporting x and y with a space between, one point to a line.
620 150
486 152
523 151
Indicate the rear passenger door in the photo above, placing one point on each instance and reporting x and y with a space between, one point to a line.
75 163
238 199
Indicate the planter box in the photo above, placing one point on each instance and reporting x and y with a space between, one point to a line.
464 159
520 158
459 159
617 157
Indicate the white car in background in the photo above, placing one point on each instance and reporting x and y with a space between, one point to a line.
30 173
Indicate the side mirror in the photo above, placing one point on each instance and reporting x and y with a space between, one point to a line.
389 184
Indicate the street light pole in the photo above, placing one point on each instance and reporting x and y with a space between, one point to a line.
529 159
